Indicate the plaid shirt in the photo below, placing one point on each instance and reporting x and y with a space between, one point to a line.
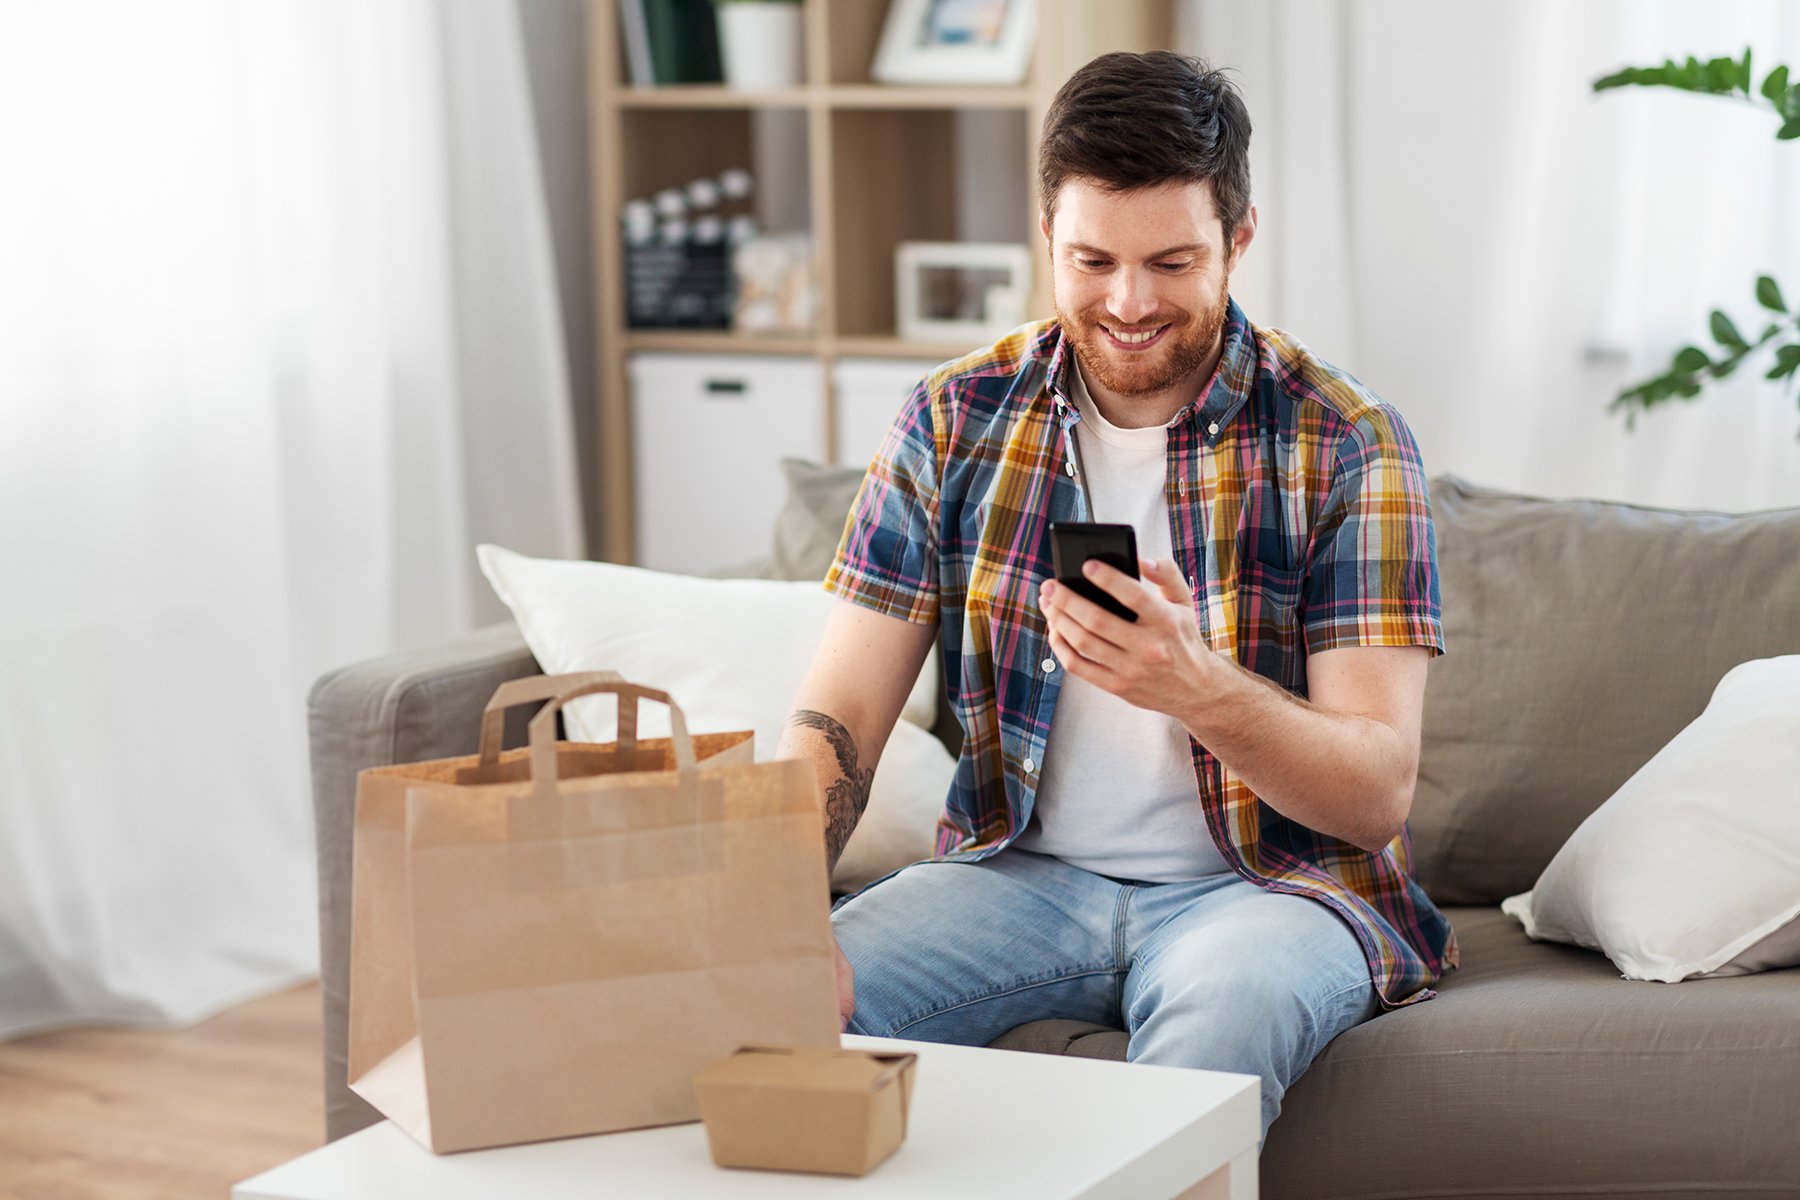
1297 503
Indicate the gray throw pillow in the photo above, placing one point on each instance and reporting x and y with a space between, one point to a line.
1581 636
811 522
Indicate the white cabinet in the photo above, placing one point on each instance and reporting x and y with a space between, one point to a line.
708 432
867 394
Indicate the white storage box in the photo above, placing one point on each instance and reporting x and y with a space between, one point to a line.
708 433
868 394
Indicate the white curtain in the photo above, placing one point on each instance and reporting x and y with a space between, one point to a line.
1450 213
279 343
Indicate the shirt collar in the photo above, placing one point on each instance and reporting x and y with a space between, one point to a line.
1218 402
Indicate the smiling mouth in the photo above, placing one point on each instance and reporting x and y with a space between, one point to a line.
1134 339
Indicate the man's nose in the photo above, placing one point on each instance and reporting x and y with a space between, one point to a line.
1131 298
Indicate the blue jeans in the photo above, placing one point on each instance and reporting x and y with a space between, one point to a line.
1214 973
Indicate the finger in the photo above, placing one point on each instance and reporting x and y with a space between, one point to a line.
1079 610
1082 667
1132 593
1167 579
1065 656
846 988
1090 647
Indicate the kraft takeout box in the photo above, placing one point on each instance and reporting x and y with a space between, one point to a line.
805 1108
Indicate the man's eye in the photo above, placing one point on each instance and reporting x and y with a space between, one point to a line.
1172 266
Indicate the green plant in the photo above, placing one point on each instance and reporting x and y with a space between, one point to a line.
1693 368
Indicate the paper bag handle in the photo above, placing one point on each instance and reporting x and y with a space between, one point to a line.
543 729
529 690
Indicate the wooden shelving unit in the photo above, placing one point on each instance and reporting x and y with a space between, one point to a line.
880 169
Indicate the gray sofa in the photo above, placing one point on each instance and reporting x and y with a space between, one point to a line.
1582 636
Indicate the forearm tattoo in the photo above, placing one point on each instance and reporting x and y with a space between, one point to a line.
846 798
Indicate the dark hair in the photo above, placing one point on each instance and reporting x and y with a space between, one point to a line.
1136 120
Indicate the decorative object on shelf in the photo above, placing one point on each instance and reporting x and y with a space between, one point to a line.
956 41
775 289
678 271
670 41
760 41
960 291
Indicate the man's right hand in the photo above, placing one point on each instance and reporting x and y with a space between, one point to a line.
846 987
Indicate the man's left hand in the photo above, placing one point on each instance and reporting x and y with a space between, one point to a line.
1159 662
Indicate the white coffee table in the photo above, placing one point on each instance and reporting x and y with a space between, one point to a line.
983 1123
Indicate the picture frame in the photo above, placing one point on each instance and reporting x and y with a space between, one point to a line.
960 292
956 41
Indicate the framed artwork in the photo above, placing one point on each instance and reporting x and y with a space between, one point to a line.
956 41
960 291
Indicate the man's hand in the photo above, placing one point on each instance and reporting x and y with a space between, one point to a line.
1343 762
846 987
1160 662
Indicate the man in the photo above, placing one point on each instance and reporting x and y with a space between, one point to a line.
1191 825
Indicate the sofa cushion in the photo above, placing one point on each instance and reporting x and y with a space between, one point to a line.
811 521
1536 1071
732 654
807 532
1615 1087
1581 637
1693 867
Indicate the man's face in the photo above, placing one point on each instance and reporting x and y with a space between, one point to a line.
1140 281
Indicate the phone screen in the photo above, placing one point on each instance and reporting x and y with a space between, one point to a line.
1072 543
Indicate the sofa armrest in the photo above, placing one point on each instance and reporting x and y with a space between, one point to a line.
407 707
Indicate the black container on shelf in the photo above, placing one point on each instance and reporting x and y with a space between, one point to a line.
685 285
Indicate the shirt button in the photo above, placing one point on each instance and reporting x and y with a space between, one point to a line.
1049 665
1029 766
1213 429
1069 467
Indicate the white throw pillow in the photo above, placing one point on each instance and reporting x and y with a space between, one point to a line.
1693 866
731 653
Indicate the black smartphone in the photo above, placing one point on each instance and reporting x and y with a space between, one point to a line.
1072 543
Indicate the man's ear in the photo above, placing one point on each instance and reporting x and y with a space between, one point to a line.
1242 236
1044 225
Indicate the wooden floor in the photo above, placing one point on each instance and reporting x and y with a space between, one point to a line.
123 1115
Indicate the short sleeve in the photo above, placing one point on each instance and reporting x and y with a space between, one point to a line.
1371 573
887 559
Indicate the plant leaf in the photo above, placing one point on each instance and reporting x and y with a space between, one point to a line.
1789 130
1788 355
1725 333
1768 294
1691 359
1719 76
1775 85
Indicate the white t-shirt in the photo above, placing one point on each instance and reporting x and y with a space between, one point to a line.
1117 793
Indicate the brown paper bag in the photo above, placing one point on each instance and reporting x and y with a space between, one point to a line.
554 941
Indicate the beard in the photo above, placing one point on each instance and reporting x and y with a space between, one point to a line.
1190 341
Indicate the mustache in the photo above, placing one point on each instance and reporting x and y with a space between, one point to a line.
1102 317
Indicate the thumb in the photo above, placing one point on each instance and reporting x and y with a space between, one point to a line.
1163 573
